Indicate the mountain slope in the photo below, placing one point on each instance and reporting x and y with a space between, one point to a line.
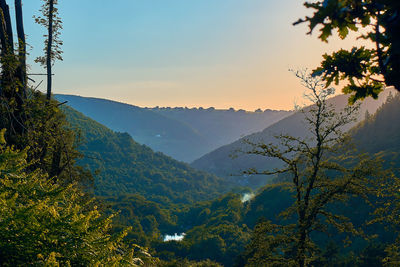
161 133
221 162
381 132
221 127
182 133
126 167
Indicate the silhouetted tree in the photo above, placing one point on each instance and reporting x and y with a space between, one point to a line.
320 170
367 70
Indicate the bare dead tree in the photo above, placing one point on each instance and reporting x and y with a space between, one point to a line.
52 52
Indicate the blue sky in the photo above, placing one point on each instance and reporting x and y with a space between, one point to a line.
221 53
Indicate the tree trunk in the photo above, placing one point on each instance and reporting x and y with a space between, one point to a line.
8 27
21 71
7 50
12 78
301 257
3 42
56 162
3 31
49 47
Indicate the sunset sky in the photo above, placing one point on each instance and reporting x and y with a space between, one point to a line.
220 53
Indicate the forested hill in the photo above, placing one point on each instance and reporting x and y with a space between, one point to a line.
182 133
159 132
221 162
381 132
126 167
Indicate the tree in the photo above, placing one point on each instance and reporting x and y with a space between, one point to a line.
52 50
367 70
21 71
53 145
319 171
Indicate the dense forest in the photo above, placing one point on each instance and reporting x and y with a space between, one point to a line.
76 193
124 166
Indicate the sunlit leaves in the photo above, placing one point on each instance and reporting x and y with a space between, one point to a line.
42 222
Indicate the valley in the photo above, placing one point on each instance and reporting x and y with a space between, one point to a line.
198 209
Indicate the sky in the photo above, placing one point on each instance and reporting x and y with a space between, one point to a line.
193 53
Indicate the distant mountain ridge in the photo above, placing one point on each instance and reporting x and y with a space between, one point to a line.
227 161
182 133
222 127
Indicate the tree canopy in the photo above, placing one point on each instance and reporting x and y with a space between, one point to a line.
367 70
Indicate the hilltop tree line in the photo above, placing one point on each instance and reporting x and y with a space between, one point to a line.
259 110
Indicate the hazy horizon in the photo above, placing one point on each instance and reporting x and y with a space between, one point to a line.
176 53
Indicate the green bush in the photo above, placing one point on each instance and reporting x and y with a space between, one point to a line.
42 222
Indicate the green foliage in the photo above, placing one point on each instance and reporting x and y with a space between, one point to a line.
272 246
213 231
267 204
147 219
50 145
44 223
379 23
222 243
388 212
227 208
